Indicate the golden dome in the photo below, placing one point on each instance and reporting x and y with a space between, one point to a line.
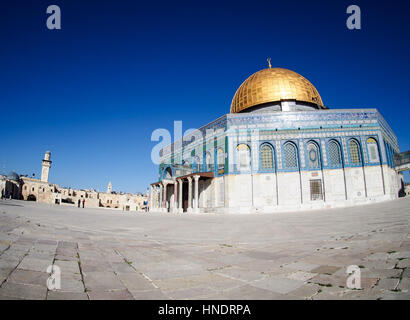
274 85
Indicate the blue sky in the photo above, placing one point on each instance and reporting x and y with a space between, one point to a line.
94 91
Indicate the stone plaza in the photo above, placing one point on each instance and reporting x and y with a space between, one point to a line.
290 255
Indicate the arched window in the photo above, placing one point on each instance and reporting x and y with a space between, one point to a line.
266 157
208 160
220 159
334 154
196 164
168 173
386 147
373 150
243 157
313 155
354 151
290 152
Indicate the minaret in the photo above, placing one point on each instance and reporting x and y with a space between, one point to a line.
45 168
109 188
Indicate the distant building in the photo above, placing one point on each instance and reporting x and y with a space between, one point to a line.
24 188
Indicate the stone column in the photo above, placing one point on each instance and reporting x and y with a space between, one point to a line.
164 197
175 209
151 198
196 207
157 203
180 208
189 194
160 196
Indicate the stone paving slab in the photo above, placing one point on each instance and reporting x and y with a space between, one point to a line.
122 267
381 273
328 280
404 285
325 269
102 281
401 255
95 265
23 291
239 273
406 273
191 293
188 281
59 295
67 266
388 284
65 258
405 263
70 285
248 292
301 275
278 284
8 263
111 295
391 295
367 283
155 294
29 277
35 264
135 282
307 291
379 264
300 266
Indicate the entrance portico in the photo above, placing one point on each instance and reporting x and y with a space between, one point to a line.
178 195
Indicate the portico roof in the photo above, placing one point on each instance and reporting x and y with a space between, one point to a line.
200 174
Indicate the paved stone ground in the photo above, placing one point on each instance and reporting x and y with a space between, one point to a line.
105 254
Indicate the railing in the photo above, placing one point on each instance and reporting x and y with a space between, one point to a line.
402 158
183 171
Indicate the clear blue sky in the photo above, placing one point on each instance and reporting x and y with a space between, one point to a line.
94 91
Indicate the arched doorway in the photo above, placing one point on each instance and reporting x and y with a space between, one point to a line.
31 197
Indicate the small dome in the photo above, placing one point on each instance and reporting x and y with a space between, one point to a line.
13 176
272 85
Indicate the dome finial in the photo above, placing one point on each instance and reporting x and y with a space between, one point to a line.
270 66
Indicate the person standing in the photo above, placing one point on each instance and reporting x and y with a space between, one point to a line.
83 202
79 202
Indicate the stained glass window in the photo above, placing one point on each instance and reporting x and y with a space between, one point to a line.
197 164
334 154
313 155
290 156
221 159
208 161
266 157
243 157
354 151
373 150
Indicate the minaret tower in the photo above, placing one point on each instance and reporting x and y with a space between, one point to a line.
45 167
109 188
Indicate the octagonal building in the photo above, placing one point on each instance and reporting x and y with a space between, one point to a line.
279 149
